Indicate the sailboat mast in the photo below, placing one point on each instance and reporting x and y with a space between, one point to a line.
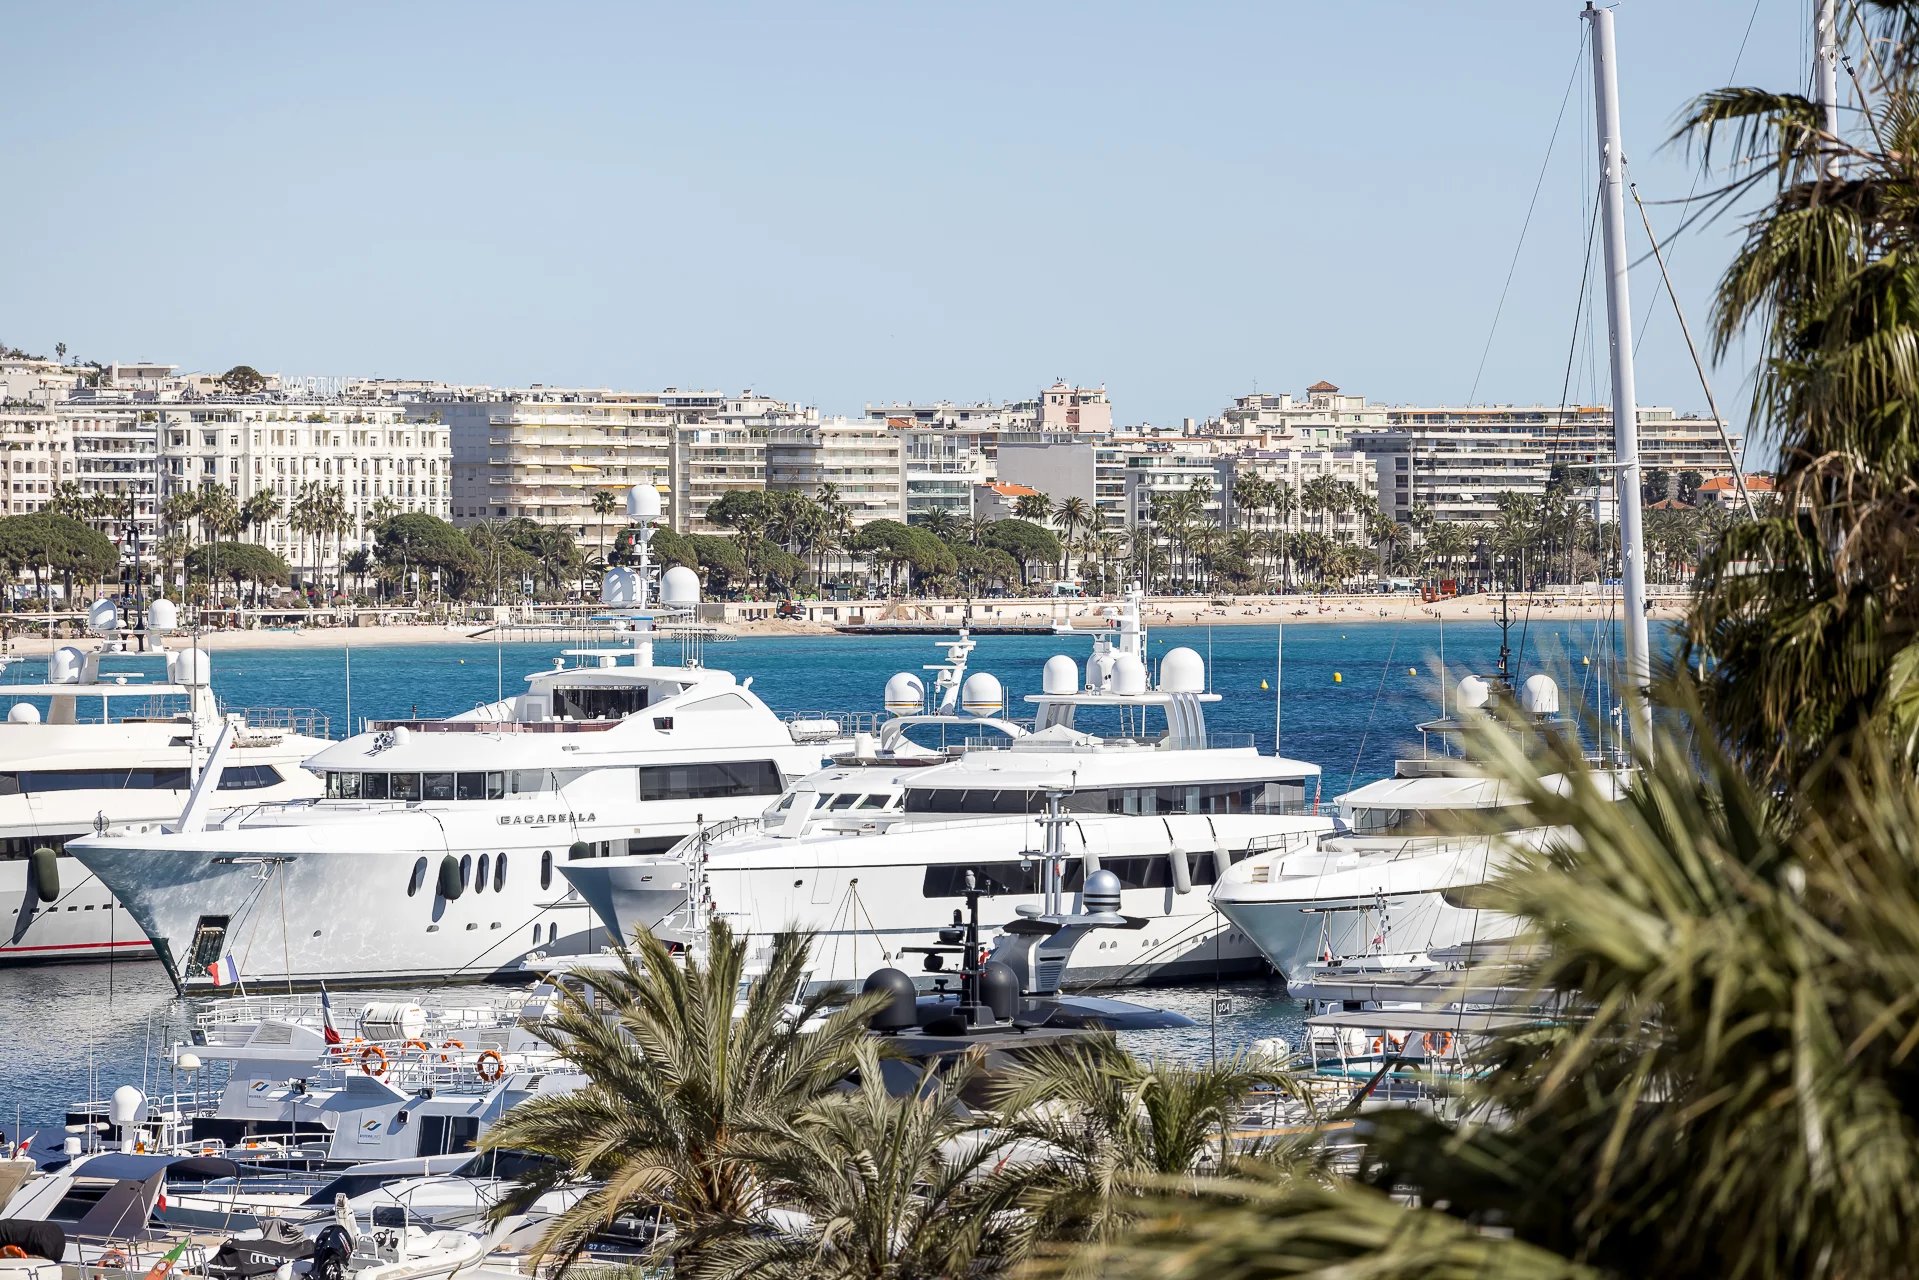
1825 68
1625 410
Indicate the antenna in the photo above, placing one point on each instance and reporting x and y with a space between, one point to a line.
1279 686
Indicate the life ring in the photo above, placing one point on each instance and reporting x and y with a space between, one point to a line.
368 1056
421 1045
1439 1044
450 1044
113 1258
13 1251
481 1069
1379 1044
1397 1040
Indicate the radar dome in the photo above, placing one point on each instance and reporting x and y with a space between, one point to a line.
1472 693
1182 671
981 695
64 666
620 587
999 989
642 502
162 616
1129 675
128 1105
23 713
1539 695
905 694
899 1010
103 617
1060 676
1099 669
1102 891
680 587
193 667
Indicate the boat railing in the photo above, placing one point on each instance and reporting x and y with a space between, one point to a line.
810 726
309 721
492 726
1149 742
1282 841
407 1066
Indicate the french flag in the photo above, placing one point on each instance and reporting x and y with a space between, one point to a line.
326 1018
224 972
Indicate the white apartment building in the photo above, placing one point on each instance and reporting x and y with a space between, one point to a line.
1458 475
35 457
862 458
711 460
114 451
1156 467
1297 468
370 451
943 465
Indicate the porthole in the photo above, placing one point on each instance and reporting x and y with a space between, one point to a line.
546 869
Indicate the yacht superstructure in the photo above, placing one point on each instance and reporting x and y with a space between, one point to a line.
102 743
435 852
873 854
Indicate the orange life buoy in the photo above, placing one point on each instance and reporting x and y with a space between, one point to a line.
368 1056
13 1251
1439 1043
1379 1045
450 1044
497 1070
112 1258
421 1045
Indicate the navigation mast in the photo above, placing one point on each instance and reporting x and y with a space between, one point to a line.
1625 410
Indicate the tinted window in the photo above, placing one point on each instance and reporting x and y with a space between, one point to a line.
436 786
250 777
704 781
949 879
598 704
546 869
44 780
470 786
466 870
404 786
480 881
417 879
373 786
499 873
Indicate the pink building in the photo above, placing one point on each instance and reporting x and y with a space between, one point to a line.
1082 409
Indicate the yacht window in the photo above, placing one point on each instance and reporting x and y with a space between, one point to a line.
495 786
343 785
248 777
546 872
710 780
418 877
404 786
466 870
373 786
44 780
971 800
480 881
873 802
786 802
499 874
593 703
842 802
948 880
528 780
469 786
436 786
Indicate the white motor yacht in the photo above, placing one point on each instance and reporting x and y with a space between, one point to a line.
435 852
1403 877
873 854
102 742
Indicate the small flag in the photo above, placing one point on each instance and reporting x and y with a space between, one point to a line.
24 1144
326 1018
224 972
165 1265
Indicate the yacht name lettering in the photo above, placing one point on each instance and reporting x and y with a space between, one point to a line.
545 819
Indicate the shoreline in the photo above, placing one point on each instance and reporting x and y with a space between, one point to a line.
1345 610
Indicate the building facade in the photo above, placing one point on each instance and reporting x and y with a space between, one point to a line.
943 466
860 457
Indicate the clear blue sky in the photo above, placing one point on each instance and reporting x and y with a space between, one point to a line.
844 203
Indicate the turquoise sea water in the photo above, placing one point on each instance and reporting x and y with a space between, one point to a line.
68 1032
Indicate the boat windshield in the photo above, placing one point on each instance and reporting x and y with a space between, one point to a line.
1273 796
1377 822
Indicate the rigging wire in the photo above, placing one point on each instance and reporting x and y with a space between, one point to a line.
1512 268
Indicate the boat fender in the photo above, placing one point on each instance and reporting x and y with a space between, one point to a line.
1182 870
46 873
1222 861
579 849
451 886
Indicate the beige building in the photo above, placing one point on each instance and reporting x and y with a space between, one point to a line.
1064 408
1297 468
862 458
35 455
711 460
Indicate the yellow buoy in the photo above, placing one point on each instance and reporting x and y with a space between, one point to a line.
1585 662
1412 671
1337 677
1264 685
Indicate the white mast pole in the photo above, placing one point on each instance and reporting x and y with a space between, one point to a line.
1825 73
1625 411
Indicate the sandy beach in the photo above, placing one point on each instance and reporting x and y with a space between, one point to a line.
27 637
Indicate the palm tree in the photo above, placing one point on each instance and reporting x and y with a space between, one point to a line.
1104 1121
1033 506
679 1082
605 503
1073 517
884 1187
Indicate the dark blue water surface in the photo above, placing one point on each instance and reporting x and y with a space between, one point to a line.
1352 695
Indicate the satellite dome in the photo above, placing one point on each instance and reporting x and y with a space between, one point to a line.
999 989
1472 693
619 587
1539 695
193 667
905 694
642 502
981 695
162 616
1060 676
680 587
1129 675
1102 891
103 617
1182 671
128 1105
64 666
901 1007
23 713
1099 669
